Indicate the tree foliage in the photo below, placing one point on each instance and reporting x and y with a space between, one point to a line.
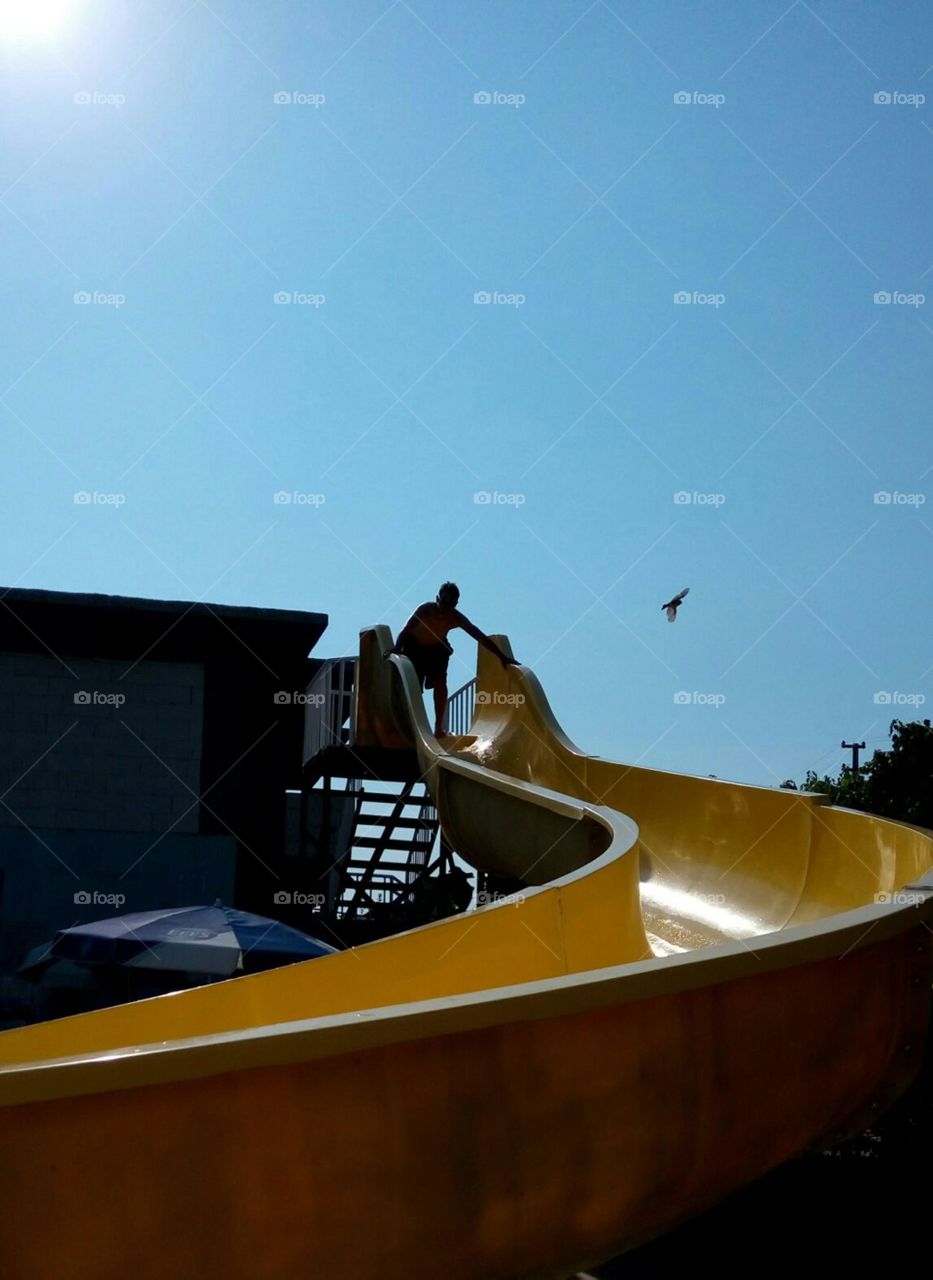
896 783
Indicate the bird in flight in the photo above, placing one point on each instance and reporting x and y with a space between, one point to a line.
673 605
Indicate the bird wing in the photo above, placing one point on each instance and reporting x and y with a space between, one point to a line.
685 592
671 612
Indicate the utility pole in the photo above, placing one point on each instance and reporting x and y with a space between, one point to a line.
855 748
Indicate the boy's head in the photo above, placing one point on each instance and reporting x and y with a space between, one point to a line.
448 595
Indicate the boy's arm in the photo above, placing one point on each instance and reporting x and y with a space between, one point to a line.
481 638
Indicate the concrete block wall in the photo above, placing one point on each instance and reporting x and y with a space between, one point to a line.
76 757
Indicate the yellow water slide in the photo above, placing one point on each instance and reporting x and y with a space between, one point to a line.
520 1091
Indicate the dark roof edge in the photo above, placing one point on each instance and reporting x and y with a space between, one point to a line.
30 595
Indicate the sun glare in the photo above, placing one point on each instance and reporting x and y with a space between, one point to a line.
32 19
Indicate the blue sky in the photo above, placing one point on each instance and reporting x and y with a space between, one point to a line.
147 166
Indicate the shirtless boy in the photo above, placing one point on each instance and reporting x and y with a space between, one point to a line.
423 639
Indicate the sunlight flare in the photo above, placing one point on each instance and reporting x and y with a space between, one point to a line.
33 19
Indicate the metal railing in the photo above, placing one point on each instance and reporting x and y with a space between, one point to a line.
425 838
381 889
460 706
328 704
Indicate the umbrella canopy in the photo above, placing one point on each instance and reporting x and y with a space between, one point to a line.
41 965
216 940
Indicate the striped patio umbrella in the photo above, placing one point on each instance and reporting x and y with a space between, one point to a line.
217 940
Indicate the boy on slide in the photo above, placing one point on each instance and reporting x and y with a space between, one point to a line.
423 639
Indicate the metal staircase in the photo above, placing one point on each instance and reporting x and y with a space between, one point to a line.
393 835
370 849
